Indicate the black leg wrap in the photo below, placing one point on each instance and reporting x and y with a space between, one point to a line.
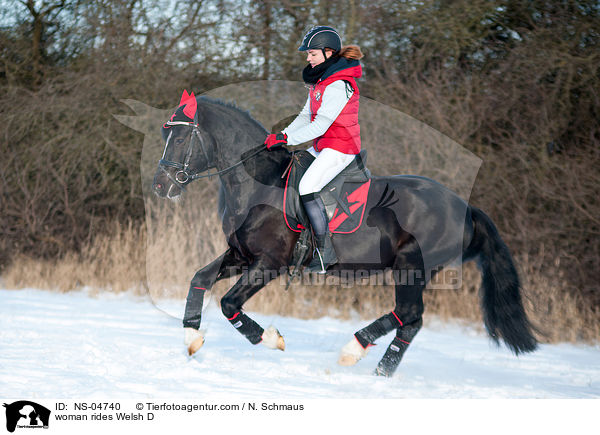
247 327
378 328
392 357
193 308
394 353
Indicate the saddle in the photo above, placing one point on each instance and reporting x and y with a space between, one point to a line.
345 199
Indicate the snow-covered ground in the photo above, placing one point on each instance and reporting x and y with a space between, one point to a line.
56 345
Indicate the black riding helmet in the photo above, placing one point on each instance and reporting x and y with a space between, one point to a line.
321 37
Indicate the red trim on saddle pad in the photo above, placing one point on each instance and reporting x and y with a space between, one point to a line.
356 200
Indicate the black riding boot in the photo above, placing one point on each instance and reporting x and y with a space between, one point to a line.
324 256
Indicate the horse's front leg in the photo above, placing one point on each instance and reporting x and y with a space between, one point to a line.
226 265
251 281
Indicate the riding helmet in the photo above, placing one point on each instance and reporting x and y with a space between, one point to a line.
321 37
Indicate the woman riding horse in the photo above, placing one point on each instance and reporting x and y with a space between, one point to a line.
413 226
330 119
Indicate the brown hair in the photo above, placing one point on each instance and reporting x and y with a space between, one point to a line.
351 52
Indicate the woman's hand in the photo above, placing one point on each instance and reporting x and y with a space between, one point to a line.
275 140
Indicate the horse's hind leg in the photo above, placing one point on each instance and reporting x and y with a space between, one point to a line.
409 274
410 281
395 351
224 266
358 347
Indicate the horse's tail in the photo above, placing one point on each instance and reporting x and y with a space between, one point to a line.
503 311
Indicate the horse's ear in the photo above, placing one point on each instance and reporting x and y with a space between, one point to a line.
190 106
184 97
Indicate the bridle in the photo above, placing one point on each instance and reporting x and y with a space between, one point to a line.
183 176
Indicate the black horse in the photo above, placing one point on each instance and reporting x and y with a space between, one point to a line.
414 226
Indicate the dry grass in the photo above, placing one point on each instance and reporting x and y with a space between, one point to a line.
113 262
162 257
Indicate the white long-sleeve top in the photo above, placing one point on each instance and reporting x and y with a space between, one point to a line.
302 130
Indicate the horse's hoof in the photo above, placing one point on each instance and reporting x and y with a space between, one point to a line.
280 343
351 353
272 339
195 346
347 360
193 339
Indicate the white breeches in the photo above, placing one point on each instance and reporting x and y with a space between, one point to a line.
328 163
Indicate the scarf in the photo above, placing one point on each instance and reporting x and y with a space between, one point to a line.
312 75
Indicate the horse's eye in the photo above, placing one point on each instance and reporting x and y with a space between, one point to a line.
179 141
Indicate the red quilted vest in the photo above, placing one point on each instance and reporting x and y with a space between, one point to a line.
344 134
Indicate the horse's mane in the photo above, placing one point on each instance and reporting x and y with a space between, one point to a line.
228 105
265 167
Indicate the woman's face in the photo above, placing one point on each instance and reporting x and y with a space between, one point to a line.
315 57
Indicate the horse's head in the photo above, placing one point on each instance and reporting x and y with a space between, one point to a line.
187 153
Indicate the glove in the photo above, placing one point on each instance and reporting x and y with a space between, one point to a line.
275 140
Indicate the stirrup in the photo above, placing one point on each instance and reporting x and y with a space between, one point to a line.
318 264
